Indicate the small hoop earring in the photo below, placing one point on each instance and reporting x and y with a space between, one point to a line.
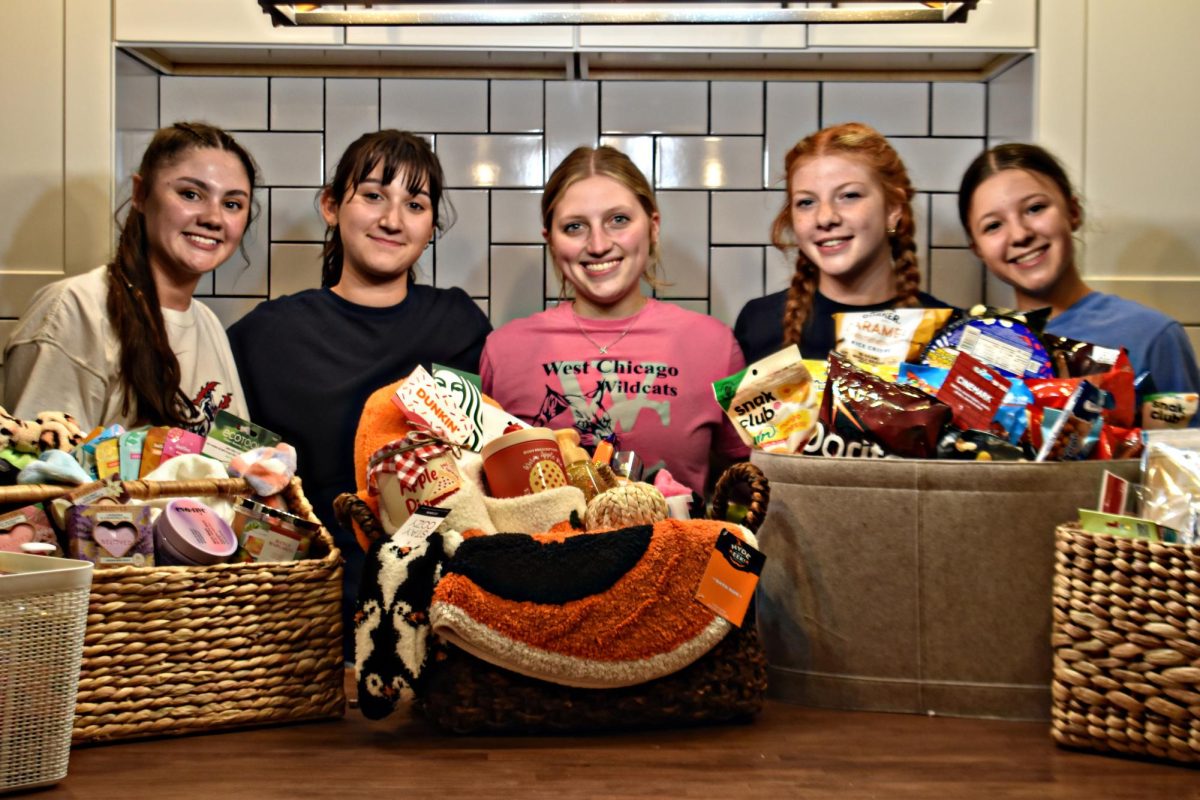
891 231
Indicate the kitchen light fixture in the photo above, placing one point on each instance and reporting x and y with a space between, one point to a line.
612 12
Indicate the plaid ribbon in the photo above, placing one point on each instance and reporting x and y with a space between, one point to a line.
406 458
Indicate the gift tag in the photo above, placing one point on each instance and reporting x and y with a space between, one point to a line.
416 529
727 585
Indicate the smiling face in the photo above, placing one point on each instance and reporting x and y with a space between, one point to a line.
840 218
384 228
600 238
1021 227
196 209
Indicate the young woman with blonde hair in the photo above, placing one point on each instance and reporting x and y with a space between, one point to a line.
612 361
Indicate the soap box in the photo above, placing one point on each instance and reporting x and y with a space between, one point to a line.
111 535
26 525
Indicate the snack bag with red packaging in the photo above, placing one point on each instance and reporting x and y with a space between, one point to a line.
1117 381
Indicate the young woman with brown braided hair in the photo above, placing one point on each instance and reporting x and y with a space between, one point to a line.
848 215
125 343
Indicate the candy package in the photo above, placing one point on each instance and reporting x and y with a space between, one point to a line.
1005 340
771 402
1169 410
1070 433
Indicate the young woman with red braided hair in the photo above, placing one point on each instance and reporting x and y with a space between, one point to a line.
849 218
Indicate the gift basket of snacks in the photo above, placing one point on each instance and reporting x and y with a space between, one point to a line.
516 582
919 475
1126 633
215 598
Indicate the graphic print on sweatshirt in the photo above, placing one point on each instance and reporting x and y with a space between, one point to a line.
606 395
205 406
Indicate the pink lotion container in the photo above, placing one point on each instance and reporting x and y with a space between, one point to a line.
190 534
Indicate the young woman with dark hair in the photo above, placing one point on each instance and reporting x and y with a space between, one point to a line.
1020 212
126 343
849 218
310 360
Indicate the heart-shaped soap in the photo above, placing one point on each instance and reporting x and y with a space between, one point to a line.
12 539
117 538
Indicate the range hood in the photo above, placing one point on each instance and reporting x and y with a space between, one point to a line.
610 12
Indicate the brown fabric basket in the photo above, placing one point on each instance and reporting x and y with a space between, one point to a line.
1126 643
464 694
178 650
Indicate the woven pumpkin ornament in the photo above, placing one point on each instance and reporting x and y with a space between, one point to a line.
631 504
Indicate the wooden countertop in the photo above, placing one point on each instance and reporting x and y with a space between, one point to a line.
788 752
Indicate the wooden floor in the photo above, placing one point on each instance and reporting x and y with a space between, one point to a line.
788 752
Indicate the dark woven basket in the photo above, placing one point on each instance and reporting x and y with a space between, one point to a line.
464 694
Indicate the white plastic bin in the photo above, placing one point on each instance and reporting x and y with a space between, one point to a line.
43 613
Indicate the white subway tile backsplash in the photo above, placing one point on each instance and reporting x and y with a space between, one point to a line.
516 107
793 112
230 309
501 160
297 104
781 267
959 109
956 277
351 109
516 217
516 278
708 162
654 107
246 270
713 150
236 104
462 254
699 306
737 278
737 107
640 150
893 109
920 207
936 165
420 104
285 159
295 216
946 230
1010 105
294 268
572 118
683 243
744 217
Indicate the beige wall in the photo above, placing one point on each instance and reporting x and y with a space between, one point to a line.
56 140
1118 99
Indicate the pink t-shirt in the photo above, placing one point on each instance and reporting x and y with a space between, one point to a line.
652 388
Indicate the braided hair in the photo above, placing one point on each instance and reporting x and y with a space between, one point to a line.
868 145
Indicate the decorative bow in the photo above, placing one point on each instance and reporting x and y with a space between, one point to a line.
407 458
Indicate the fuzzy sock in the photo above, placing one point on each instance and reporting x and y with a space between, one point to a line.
54 466
537 513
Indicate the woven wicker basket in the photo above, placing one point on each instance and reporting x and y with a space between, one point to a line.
1126 642
464 694
177 650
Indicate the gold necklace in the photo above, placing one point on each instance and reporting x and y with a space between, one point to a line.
603 350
